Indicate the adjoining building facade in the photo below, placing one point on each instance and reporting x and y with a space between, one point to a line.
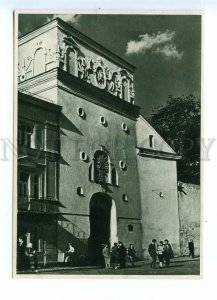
91 170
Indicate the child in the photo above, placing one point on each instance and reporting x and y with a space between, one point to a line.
160 253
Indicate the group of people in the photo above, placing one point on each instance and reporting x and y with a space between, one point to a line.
26 256
163 251
119 256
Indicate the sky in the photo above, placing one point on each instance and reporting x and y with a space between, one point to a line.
165 49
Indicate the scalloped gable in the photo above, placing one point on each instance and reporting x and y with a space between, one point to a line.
143 131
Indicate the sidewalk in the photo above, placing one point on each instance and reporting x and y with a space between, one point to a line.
67 268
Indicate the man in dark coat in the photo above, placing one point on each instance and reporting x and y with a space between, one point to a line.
153 253
21 255
122 251
191 248
168 252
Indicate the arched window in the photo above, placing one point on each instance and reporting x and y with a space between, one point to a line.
91 172
125 90
101 170
71 61
114 177
39 61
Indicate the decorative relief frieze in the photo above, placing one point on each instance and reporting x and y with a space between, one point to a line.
69 57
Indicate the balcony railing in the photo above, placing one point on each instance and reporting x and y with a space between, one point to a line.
37 205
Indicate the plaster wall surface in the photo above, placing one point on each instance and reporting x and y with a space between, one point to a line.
88 134
143 131
160 218
189 213
37 54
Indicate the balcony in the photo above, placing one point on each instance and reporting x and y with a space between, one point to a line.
37 205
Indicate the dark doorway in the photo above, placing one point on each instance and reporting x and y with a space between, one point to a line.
100 212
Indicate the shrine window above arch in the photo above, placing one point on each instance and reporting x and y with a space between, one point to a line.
101 167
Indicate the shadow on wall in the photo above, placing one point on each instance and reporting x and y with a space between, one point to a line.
70 233
67 124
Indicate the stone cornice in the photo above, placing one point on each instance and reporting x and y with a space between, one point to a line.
95 95
153 153
76 86
34 101
83 39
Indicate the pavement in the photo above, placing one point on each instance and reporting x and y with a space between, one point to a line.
178 266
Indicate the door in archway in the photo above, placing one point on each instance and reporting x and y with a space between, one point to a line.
100 215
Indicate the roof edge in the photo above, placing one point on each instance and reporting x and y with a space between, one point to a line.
95 46
140 116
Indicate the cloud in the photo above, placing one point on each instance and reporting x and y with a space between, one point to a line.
160 43
29 22
72 19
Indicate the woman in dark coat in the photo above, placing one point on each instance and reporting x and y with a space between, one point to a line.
168 253
114 256
122 252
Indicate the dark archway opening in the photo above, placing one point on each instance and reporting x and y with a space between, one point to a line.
100 214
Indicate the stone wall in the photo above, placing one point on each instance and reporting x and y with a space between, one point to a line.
189 215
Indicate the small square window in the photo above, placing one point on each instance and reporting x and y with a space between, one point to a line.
130 227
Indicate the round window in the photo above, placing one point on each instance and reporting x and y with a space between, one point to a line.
102 120
83 156
80 112
124 127
122 164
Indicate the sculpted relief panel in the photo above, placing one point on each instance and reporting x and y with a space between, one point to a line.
69 57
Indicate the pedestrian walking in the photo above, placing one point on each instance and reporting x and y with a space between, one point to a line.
160 253
114 256
153 253
191 248
106 255
70 254
131 253
122 252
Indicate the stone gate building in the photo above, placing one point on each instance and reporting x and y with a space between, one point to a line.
91 170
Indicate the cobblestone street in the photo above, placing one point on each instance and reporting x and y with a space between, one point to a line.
179 266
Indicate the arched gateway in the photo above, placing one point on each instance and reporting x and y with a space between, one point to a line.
103 225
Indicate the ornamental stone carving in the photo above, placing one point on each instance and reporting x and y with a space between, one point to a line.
70 57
